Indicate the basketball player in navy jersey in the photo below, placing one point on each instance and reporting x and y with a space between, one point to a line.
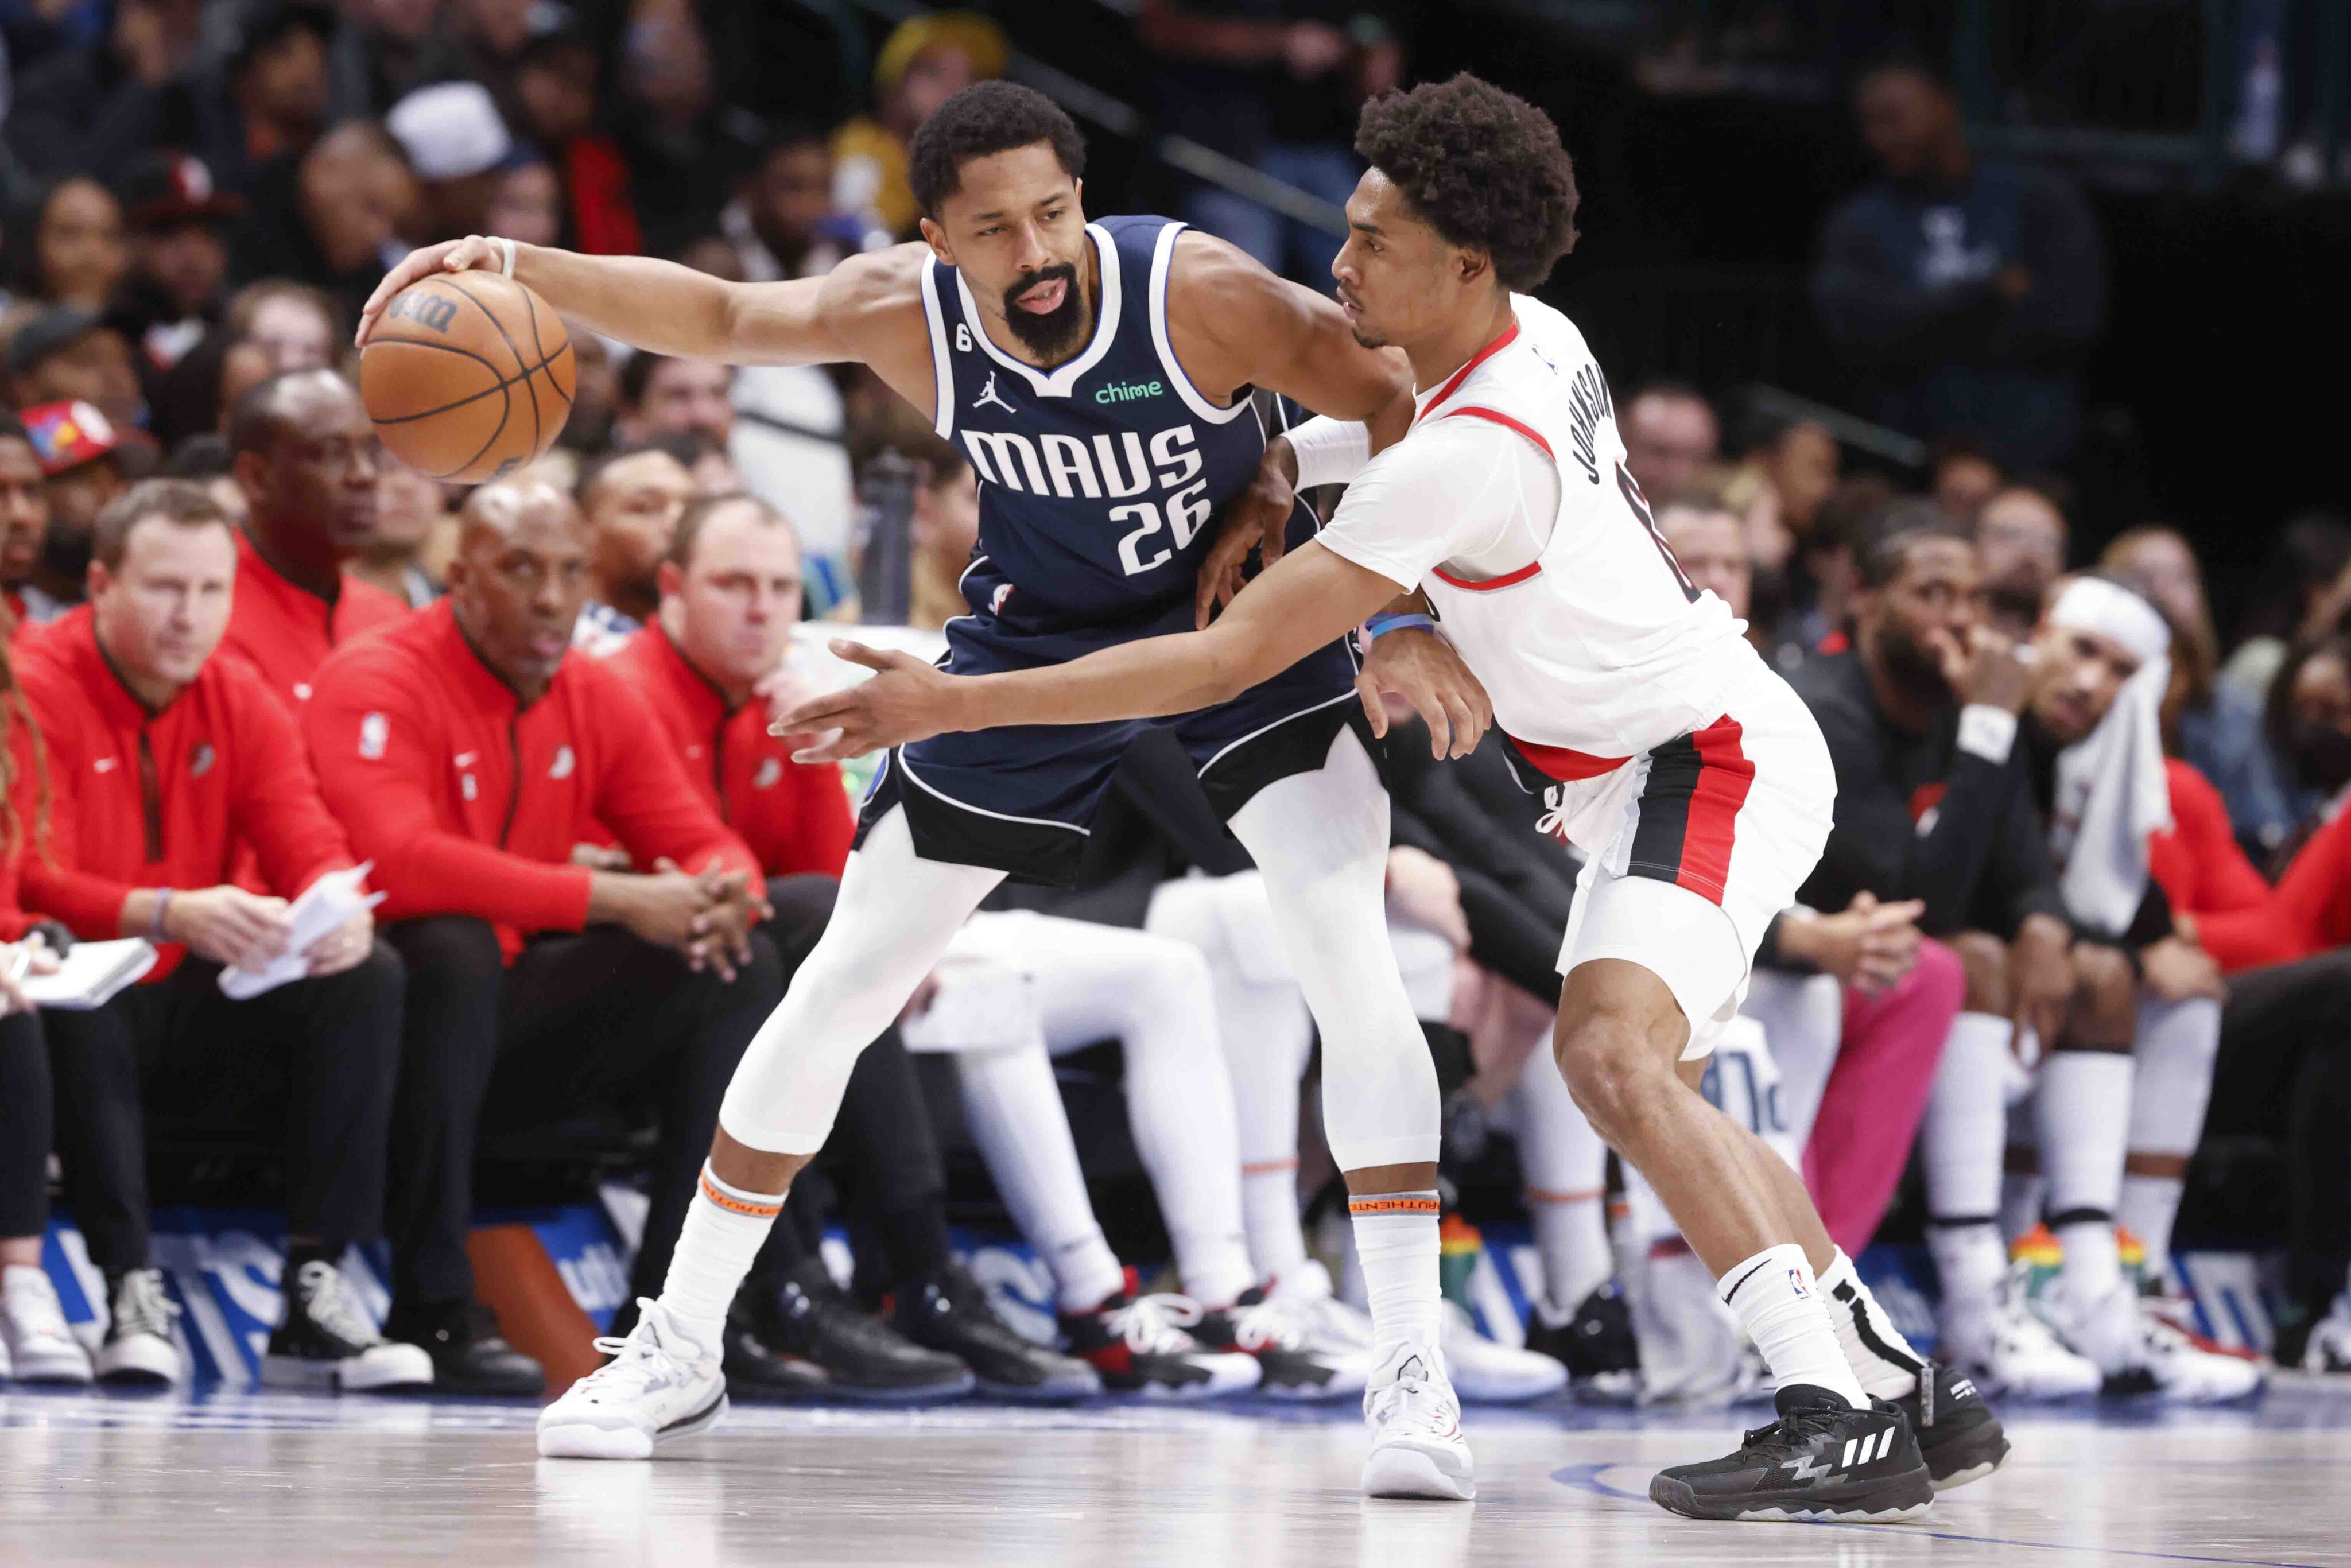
1099 376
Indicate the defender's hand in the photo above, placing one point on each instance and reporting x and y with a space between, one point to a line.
905 700
1423 669
1257 518
474 251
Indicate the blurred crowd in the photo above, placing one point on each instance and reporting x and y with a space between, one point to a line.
248 652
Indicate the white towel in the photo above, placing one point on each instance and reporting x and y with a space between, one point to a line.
2112 792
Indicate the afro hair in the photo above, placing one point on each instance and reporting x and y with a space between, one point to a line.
1484 167
985 119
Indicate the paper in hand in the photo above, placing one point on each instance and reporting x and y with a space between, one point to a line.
324 907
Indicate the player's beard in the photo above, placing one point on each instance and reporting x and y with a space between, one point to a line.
1056 329
1911 666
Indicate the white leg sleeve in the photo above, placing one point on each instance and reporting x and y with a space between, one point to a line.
1565 1165
1268 1036
895 916
1153 995
1014 1111
1804 1018
1320 839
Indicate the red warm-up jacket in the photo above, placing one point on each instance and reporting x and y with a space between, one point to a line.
794 816
286 633
169 799
27 770
469 802
2307 912
2204 874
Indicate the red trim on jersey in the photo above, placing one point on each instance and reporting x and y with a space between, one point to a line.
1567 767
1498 417
1453 383
1725 775
1487 585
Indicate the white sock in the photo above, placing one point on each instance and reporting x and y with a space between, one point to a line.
1779 1303
1882 1359
1277 1240
724 1229
1965 1128
2085 1117
1971 1263
2170 1087
1571 1235
1395 1244
2020 1195
1014 1111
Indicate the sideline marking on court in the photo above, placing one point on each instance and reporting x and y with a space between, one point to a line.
1586 1478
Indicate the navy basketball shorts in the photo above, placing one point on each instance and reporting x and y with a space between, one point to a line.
1021 799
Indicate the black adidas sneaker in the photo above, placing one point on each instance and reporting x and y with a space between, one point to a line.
1959 1436
1821 1460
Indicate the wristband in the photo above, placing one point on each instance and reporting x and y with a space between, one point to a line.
1329 451
1388 621
155 919
1987 731
505 253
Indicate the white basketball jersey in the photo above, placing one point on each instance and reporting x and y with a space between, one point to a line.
1598 649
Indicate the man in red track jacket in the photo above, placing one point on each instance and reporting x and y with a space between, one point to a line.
730 593
466 752
306 459
165 762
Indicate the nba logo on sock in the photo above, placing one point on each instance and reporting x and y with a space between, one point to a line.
1797 1282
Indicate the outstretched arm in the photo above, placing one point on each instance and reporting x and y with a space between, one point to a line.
1310 598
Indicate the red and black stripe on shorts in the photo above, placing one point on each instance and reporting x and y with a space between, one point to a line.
1689 808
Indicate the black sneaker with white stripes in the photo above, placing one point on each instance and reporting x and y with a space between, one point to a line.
1959 1436
1821 1459
327 1340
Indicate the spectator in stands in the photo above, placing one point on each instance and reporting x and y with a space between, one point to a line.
526 203
1671 435
926 61
384 47
1965 289
207 460
659 394
1933 804
555 101
2308 718
24 530
193 397
456 143
333 220
414 532
308 461
2021 539
685 152
69 352
77 254
166 763
1963 479
1278 87
1803 461
80 475
595 395
179 255
730 593
632 500
2310 557
2215 728
294 325
468 754
1710 542
276 89
945 527
96 110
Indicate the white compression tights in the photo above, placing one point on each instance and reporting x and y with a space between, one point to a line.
1320 839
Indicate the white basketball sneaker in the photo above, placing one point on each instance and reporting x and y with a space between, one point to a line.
1417 1449
1487 1372
2141 1351
2008 1350
659 1387
36 1345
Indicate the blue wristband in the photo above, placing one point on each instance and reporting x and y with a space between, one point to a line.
1386 620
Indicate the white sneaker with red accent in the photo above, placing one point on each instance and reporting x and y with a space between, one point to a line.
1417 1448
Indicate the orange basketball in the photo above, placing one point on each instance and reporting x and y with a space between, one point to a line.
468 376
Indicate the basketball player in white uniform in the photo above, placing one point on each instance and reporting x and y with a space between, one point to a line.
1695 779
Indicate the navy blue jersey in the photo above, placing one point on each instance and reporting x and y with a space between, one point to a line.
1097 480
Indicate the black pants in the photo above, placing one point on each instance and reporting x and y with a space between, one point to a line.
600 1017
2284 1069
324 1050
25 1127
882 1157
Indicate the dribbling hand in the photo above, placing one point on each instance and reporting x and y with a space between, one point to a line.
474 252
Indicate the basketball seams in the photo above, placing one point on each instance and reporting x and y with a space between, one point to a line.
512 348
546 359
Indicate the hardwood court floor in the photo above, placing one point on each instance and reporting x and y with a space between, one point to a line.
261 1480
